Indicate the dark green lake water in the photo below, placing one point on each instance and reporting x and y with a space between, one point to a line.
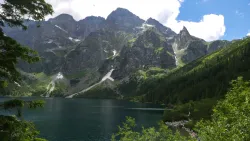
88 119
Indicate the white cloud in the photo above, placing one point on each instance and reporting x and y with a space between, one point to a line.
210 27
248 34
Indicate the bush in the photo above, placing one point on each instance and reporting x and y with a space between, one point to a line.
127 133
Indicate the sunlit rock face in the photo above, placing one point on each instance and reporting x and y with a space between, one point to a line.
150 49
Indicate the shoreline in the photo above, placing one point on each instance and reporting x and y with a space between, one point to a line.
181 124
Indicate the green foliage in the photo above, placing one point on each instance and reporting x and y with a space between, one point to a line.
11 53
207 77
231 117
170 54
12 14
131 42
36 104
195 109
158 50
127 133
19 104
13 129
142 74
60 89
32 84
10 104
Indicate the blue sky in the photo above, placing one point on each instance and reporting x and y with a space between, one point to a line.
236 14
206 19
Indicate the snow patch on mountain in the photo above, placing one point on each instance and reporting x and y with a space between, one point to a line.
61 28
75 40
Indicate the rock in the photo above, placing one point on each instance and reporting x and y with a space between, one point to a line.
167 32
88 25
215 45
86 50
195 49
148 50
123 20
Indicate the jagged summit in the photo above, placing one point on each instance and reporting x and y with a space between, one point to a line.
122 13
153 21
184 31
123 20
63 17
160 27
120 10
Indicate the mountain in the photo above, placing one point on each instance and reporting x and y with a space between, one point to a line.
88 25
167 32
188 48
123 20
84 51
150 49
206 77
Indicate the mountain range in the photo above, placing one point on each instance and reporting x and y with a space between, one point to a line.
84 51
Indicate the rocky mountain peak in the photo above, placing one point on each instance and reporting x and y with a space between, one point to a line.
86 50
88 25
160 27
150 38
153 21
91 21
63 18
121 12
123 20
184 32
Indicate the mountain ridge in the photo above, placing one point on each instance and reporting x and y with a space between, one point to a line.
85 50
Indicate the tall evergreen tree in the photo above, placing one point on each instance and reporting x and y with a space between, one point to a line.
13 13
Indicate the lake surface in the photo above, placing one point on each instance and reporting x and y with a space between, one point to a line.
88 119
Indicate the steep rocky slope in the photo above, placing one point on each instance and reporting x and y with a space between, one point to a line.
84 51
206 77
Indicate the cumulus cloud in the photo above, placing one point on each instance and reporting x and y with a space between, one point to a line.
248 34
210 27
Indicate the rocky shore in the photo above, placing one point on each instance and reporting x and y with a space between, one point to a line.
181 124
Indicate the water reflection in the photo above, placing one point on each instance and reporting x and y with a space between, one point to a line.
88 119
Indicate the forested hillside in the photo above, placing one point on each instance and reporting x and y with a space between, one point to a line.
206 77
